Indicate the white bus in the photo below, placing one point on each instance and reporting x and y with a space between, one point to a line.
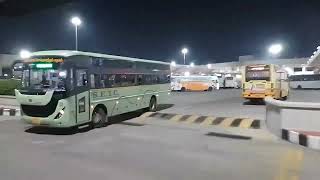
72 88
306 81
230 82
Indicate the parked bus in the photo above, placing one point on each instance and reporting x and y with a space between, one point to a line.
72 88
306 81
264 80
194 83
230 82
227 82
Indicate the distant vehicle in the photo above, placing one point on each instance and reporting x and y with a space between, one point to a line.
308 81
228 82
264 80
194 83
71 88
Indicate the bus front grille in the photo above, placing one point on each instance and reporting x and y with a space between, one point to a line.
40 111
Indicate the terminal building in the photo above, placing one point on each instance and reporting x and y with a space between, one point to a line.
292 66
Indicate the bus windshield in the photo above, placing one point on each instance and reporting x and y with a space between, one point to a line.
41 76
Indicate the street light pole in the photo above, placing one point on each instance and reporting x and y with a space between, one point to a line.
76 21
184 51
76 38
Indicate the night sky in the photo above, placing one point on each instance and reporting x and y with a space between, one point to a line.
214 31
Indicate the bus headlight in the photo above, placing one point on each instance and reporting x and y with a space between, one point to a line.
59 115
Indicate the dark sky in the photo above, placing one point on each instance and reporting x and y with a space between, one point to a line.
214 31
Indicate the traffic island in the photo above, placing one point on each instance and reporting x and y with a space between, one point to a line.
297 122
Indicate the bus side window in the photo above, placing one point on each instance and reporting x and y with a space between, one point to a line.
95 80
140 79
82 79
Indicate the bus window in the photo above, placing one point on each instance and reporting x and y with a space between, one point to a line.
95 80
81 77
140 79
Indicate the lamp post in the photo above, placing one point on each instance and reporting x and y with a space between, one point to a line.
76 21
184 51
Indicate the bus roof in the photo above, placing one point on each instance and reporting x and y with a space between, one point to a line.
69 53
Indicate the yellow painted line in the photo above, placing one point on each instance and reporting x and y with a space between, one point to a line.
176 118
226 122
208 121
144 117
246 123
147 114
290 165
191 119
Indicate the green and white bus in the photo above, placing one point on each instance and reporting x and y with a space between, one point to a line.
71 88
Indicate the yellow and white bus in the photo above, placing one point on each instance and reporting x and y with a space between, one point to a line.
261 80
72 88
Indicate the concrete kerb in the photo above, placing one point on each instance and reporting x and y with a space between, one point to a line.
4 111
205 120
284 119
7 97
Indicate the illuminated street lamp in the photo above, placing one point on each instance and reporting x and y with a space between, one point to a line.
275 49
184 51
76 21
173 63
24 54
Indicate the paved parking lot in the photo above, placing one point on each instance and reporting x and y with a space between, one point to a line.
157 149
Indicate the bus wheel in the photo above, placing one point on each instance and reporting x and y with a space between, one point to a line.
153 104
99 118
299 87
210 89
183 89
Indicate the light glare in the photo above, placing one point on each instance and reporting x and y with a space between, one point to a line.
76 21
24 54
184 51
275 49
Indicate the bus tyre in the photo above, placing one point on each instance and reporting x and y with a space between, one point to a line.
99 118
153 104
299 87
210 89
183 89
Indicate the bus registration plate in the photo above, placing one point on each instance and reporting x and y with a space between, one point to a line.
36 121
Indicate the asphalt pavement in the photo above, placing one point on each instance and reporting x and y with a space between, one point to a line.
160 150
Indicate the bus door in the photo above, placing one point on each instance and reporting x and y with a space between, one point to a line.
82 96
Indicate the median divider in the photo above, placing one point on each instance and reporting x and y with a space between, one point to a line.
9 111
205 120
297 122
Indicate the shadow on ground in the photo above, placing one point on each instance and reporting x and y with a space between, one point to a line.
74 130
261 103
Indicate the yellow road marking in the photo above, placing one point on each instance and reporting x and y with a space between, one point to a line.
191 119
144 116
246 123
176 118
290 165
208 121
147 114
226 122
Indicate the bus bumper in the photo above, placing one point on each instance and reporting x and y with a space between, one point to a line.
257 95
54 120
